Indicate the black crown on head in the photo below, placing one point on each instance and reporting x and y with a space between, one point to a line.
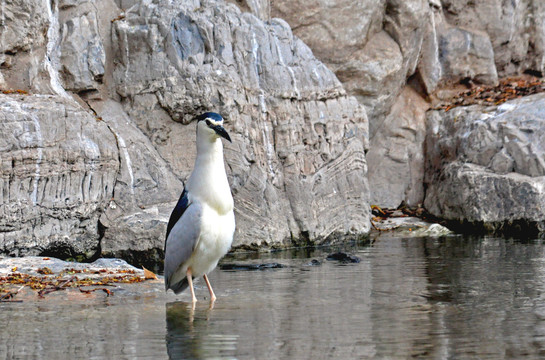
210 115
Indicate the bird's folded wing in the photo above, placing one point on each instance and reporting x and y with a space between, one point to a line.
178 211
182 239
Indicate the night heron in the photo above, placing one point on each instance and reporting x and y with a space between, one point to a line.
201 226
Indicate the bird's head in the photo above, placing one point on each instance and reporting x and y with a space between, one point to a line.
212 124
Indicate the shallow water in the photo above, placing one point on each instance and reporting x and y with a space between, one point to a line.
447 298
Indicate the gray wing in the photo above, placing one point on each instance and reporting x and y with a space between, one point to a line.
180 244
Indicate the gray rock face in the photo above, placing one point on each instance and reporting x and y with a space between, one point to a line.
395 156
374 76
135 219
292 125
82 53
515 29
58 172
297 162
368 61
487 165
389 42
451 55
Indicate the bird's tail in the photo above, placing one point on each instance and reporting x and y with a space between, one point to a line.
177 287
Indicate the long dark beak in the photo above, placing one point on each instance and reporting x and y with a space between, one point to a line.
220 130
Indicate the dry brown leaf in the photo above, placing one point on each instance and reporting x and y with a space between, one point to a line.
149 274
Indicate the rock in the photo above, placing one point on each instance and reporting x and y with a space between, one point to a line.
451 55
322 25
313 262
467 55
297 164
515 29
343 258
82 53
295 129
374 75
259 8
250 267
146 191
32 264
405 21
23 44
368 61
407 227
396 153
485 166
57 174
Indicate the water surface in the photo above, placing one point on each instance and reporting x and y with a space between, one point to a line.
427 298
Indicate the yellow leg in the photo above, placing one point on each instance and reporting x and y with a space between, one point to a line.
190 282
212 295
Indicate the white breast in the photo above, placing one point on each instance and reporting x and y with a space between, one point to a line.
214 242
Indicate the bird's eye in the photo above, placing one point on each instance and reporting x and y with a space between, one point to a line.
208 122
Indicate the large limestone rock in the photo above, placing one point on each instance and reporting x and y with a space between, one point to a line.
296 164
118 74
57 174
486 166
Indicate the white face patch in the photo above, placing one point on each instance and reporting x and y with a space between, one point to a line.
212 124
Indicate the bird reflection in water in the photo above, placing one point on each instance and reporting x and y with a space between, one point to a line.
189 334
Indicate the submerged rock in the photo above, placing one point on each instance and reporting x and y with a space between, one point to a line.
407 227
250 267
343 257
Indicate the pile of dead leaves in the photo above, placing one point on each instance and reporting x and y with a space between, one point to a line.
85 280
508 89
381 214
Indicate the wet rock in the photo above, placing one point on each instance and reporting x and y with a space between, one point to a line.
57 174
485 165
45 279
407 227
314 262
33 264
250 267
343 258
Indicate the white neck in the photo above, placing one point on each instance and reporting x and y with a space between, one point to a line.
208 181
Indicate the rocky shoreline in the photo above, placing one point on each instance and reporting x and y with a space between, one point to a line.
96 102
